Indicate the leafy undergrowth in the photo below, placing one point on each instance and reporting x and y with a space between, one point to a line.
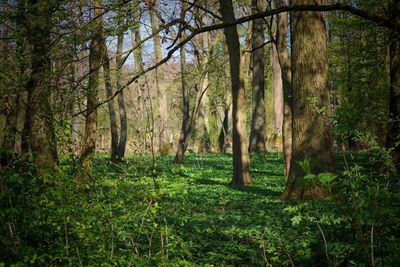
140 214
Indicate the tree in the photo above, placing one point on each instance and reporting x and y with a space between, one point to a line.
40 129
163 128
138 57
111 108
241 161
258 122
202 120
312 137
284 62
186 123
393 127
121 102
95 60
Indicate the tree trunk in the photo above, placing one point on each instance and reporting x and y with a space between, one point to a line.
393 127
284 61
258 122
223 135
277 89
186 125
163 128
110 104
42 140
10 109
95 56
121 101
241 161
204 145
138 56
312 137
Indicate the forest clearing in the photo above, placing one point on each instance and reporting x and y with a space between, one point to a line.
199 133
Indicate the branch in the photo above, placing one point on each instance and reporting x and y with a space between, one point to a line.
381 21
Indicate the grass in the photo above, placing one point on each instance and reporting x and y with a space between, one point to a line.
208 220
144 213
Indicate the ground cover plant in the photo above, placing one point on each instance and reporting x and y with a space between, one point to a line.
145 213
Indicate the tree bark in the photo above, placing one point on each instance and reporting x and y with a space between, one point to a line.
284 61
393 127
277 89
186 124
204 145
121 100
110 104
95 56
163 128
312 137
138 57
258 122
41 134
241 161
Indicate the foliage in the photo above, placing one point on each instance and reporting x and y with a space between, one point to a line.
193 216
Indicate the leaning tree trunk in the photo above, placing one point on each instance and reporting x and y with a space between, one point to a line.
241 160
393 127
95 56
284 61
121 101
258 122
312 136
41 133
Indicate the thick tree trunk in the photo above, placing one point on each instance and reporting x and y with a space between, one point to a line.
95 56
284 61
110 104
42 140
393 127
121 101
241 160
312 137
258 122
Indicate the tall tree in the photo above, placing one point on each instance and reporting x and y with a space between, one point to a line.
41 133
138 57
111 107
312 136
258 122
393 130
121 100
241 160
186 124
11 96
163 128
202 120
284 62
95 60
277 89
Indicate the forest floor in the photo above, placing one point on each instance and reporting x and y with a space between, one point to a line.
190 214
157 213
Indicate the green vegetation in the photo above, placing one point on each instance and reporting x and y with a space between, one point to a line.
140 214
